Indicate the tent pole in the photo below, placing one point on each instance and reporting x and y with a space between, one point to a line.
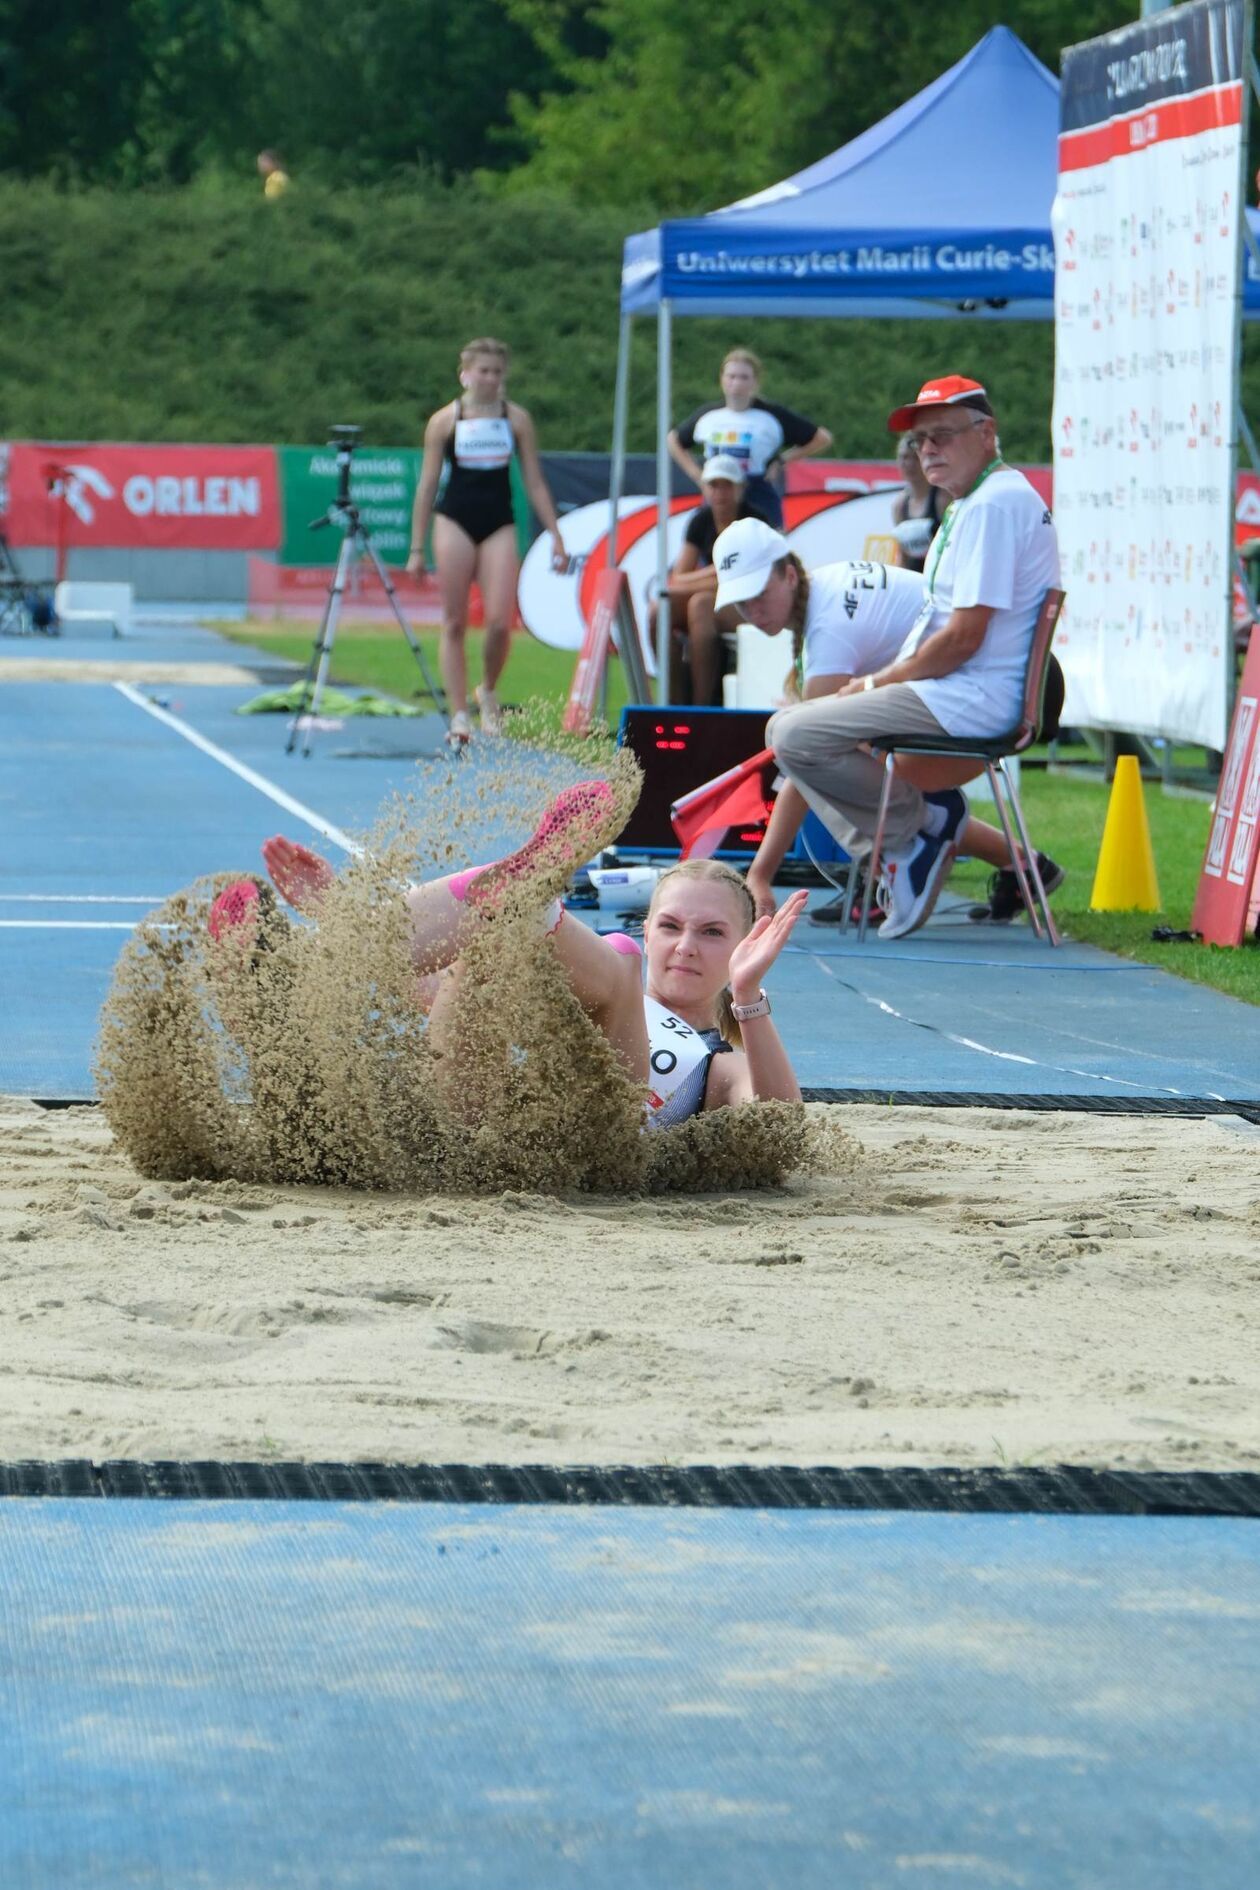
617 477
620 407
664 348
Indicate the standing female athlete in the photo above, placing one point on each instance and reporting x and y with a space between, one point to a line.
472 440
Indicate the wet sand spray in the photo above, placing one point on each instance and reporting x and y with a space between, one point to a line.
296 1052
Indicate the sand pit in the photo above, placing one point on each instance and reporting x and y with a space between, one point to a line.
45 669
892 1313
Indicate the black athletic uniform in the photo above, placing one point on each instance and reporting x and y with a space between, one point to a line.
477 492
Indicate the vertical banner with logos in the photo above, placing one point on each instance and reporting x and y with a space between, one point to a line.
1147 229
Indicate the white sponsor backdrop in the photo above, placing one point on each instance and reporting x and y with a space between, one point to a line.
550 603
1148 242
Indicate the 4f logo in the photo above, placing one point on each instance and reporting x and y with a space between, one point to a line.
731 558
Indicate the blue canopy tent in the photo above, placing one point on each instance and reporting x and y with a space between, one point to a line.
940 210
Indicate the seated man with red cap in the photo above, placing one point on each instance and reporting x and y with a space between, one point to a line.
960 671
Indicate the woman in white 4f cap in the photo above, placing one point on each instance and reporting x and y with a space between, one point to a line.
847 619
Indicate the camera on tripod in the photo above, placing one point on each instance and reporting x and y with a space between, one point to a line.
344 440
356 544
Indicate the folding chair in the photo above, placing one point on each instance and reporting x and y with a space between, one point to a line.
993 753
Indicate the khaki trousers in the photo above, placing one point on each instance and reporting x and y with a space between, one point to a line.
818 745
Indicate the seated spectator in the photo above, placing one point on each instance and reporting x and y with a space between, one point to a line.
693 586
756 432
960 671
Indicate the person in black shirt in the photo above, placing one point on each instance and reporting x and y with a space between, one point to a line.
756 432
693 583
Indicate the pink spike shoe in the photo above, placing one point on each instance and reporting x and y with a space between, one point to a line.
235 908
574 827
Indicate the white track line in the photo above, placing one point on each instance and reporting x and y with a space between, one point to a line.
70 925
82 899
1004 1056
248 775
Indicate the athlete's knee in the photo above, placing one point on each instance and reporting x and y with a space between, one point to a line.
628 950
454 628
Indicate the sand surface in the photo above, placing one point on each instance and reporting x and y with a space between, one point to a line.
1102 1312
42 669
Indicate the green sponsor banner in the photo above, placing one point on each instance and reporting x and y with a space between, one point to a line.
382 485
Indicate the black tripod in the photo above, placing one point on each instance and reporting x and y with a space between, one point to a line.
356 543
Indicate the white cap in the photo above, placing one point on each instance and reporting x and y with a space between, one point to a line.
724 466
743 556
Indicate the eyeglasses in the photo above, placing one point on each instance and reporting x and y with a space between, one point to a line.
941 436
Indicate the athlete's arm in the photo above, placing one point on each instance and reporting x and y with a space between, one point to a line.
688 577
817 443
436 434
946 650
764 1072
535 481
682 457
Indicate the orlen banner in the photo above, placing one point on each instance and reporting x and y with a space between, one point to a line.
195 498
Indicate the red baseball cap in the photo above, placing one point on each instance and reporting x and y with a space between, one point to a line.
948 390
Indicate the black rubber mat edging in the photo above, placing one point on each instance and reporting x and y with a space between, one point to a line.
1247 1107
1062 1490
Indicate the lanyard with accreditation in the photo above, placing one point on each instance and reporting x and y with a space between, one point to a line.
936 554
947 524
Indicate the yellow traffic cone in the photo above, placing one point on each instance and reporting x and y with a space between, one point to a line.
1125 880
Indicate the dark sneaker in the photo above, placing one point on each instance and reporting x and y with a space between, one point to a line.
913 884
1005 902
954 803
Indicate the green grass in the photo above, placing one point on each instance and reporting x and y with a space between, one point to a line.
1065 814
379 659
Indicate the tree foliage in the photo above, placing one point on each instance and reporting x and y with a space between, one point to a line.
690 106
673 103
158 91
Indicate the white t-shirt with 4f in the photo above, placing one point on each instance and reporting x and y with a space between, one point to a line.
858 616
997 547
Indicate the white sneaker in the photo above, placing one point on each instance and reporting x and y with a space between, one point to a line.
491 712
459 730
913 884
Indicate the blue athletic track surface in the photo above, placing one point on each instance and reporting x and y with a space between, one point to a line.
115 794
297 1694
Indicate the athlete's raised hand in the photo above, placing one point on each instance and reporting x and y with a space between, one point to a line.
755 953
298 874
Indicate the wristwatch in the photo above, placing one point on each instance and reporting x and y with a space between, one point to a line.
868 682
743 1012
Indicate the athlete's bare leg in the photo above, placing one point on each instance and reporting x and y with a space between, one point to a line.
497 570
446 913
455 555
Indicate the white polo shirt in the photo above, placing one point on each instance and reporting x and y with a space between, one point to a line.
997 547
858 616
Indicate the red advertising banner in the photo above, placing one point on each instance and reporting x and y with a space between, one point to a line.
876 475
187 498
301 590
1226 902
